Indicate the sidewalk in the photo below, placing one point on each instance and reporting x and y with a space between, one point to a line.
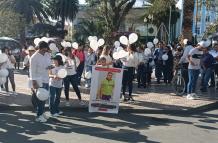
154 98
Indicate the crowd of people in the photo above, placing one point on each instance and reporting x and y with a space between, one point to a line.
42 66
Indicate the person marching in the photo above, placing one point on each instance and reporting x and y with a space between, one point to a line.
55 86
10 67
39 65
72 78
214 53
129 65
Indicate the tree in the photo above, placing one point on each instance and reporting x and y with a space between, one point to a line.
63 10
10 24
188 19
112 12
28 9
89 28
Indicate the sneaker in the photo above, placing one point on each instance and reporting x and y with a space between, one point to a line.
8 94
190 97
82 103
67 103
15 93
60 112
41 119
55 115
45 116
195 95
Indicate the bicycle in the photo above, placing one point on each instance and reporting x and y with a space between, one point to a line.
178 82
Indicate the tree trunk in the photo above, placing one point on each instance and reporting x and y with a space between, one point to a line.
188 19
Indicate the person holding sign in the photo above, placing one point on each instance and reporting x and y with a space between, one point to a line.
106 88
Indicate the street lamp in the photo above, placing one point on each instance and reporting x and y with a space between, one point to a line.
147 20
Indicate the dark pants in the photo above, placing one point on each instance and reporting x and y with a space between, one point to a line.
168 73
17 64
185 74
55 94
159 70
214 72
79 71
128 76
39 105
141 75
206 74
73 80
11 78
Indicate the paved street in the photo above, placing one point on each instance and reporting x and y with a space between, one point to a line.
155 97
79 126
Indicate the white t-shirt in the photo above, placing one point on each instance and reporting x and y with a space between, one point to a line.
195 57
9 63
70 65
54 82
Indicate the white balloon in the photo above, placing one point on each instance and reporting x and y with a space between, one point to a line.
165 57
42 94
53 47
119 49
63 44
115 55
124 40
68 44
94 45
37 41
101 42
185 41
133 38
88 75
95 38
4 73
155 41
122 54
62 73
147 52
75 45
2 80
90 38
150 45
3 58
45 39
117 44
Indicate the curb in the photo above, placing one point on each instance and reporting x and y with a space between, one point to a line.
203 108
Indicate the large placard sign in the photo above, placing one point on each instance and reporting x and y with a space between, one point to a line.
105 89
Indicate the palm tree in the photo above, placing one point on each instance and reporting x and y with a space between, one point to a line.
28 9
63 10
188 19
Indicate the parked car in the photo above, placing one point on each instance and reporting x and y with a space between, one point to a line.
11 43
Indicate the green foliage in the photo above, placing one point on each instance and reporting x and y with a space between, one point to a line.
112 12
160 10
27 8
11 24
89 28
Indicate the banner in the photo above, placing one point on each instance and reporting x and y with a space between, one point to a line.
105 89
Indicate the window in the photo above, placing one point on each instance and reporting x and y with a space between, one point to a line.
208 19
197 30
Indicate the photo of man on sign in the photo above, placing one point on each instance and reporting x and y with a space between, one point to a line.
106 88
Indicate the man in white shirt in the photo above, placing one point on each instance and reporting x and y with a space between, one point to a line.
214 53
194 67
39 65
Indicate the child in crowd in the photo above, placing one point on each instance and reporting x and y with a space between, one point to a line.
102 62
55 85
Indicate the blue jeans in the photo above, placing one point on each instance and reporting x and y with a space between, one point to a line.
40 105
54 101
206 74
193 78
